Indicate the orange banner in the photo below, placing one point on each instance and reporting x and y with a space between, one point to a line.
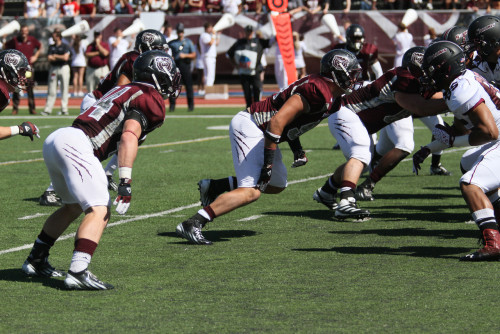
279 6
283 27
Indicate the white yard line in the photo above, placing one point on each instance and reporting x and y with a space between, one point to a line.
250 218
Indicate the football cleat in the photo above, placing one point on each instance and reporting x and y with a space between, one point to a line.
336 147
41 268
207 195
85 280
491 249
440 170
191 230
111 183
325 198
49 198
347 208
364 192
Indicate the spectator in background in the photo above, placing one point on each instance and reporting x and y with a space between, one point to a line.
78 64
176 6
183 52
33 9
51 11
213 6
431 35
169 32
403 40
105 6
123 7
253 6
300 47
31 48
231 6
97 61
59 57
246 54
198 67
196 6
70 8
118 46
209 40
2 7
87 7
158 5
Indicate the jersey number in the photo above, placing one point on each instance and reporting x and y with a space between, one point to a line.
104 105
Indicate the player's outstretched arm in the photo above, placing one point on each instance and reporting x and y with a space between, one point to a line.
419 106
27 129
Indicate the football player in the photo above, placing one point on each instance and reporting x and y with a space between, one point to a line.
393 96
256 132
15 75
475 105
73 157
121 74
366 53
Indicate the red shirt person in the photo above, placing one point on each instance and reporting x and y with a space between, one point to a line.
31 48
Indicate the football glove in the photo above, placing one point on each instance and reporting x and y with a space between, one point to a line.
124 197
419 157
299 158
444 134
29 129
266 170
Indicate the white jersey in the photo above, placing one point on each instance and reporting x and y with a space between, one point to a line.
482 68
206 49
469 90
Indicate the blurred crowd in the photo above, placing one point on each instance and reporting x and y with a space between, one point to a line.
59 8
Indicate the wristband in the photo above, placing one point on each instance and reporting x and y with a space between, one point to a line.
272 137
125 172
268 156
461 141
14 130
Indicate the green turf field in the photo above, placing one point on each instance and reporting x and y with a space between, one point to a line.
280 265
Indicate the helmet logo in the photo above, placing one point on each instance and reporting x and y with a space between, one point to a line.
437 54
488 27
12 59
340 63
148 38
417 58
164 64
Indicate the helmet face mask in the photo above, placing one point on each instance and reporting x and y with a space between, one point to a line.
157 68
150 39
342 67
15 70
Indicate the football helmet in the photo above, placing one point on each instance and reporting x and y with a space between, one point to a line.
412 60
460 36
342 67
15 69
150 39
355 37
443 62
158 69
484 33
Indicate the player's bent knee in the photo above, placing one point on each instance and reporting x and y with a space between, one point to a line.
273 190
102 212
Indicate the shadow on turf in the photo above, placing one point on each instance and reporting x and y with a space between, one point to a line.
214 236
415 251
16 275
415 232
32 199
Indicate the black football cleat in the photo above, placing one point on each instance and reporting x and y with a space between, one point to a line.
85 280
40 268
191 230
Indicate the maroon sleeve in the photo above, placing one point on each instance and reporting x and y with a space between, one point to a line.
315 92
405 82
10 44
152 106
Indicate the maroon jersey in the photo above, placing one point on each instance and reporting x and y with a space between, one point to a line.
125 65
103 122
367 56
4 95
375 103
315 89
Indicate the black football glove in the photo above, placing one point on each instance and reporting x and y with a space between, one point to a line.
419 157
29 129
267 169
124 197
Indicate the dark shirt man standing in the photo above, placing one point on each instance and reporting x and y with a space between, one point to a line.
245 55
97 61
183 52
31 48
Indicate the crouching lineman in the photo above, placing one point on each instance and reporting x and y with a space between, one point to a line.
15 75
73 157
475 105
256 132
